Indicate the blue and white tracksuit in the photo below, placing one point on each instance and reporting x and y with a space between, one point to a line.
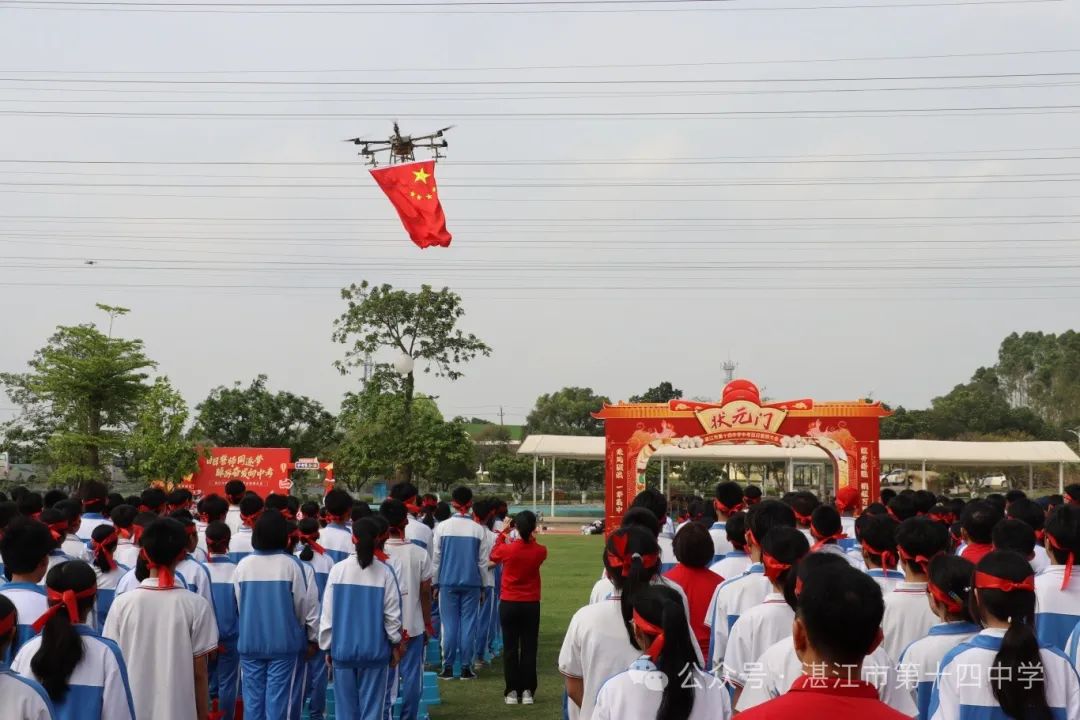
316 681
1056 611
30 604
462 547
225 673
106 591
240 544
487 606
920 661
361 622
197 577
420 534
88 523
279 613
98 687
337 540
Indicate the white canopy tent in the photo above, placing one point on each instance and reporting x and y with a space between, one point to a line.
892 452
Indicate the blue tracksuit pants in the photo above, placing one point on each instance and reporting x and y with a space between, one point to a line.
315 687
411 678
458 608
483 624
360 693
270 686
225 678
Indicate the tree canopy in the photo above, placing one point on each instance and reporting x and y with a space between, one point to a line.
567 412
662 393
158 445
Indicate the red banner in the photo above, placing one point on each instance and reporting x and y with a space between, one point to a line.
262 470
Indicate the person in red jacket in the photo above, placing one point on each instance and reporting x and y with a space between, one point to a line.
519 605
694 551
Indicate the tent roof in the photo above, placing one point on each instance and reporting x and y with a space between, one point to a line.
893 452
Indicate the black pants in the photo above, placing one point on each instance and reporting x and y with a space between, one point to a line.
520 626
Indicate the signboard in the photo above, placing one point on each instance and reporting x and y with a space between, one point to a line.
307 464
262 470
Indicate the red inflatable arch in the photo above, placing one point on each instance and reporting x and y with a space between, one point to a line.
846 431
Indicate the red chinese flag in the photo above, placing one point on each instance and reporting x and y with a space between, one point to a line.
411 188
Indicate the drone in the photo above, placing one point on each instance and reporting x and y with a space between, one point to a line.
401 148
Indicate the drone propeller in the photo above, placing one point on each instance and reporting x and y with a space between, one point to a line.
438 133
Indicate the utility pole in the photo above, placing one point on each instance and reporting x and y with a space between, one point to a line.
501 414
368 368
729 370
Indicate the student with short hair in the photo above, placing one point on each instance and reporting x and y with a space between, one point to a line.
752 495
978 521
947 590
83 673
836 626
122 518
484 514
211 509
416 532
225 666
153 500
168 666
1017 536
877 541
25 547
654 500
279 619
195 573
30 504
241 543
736 562
803 503
1031 513
902 507
95 500
1056 589
360 628
847 504
666 682
827 531
23 698
728 501
908 616
1018 678
235 491
336 537
695 549
103 543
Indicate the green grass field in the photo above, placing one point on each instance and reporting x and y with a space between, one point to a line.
572 567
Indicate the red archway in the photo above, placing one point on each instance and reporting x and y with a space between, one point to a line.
846 431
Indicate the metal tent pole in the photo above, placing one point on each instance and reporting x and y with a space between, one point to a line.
536 462
552 487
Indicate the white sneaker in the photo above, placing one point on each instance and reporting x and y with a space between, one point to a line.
512 698
526 698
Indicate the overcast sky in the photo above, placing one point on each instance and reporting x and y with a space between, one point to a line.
830 254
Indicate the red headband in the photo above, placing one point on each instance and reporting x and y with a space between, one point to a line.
249 520
461 508
798 586
751 501
985 581
411 506
921 560
773 567
823 540
951 602
888 557
1068 560
191 530
338 519
805 519
102 548
66 600
165 573
938 517
1069 498
618 558
721 507
657 646
8 622
309 540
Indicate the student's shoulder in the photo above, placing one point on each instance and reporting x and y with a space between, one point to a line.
27 686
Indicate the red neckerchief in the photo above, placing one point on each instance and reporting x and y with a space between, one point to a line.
657 645
250 520
126 533
986 581
102 548
803 519
65 600
336 519
1068 560
461 508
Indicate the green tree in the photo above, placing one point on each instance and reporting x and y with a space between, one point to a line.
662 393
905 424
980 406
159 447
566 412
513 470
86 388
703 477
257 417
421 326
491 440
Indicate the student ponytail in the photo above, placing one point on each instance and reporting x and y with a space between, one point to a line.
950 584
71 588
364 533
1004 589
632 560
103 544
661 608
525 524
309 532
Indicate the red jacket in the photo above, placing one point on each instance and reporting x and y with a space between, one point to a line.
521 563
825 699
699 584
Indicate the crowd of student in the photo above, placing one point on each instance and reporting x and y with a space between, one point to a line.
917 606
157 607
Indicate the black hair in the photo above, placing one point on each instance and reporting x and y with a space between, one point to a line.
184 517
133 500
663 607
1013 495
803 503
113 501
24 544
154 499
218 536
94 496
1027 511
729 493
70 509
292 504
877 532
403 491
61 648
338 503
214 507
876 509
632 574
825 521
785 545
525 523
1063 528
902 507
1019 697
643 518
8 512
921 537
270 532
395 513
251 505
735 528
7 609
956 506
886 495
365 531
978 520
952 575
276 502
462 495
810 564
997 500
309 526
481 510
841 610
30 504
310 510
144 520
17 492
177 498
52 497
442 511
1014 535
164 541
360 510
654 500
939 513
752 492
766 515
702 511
102 531
924 500
693 546
234 491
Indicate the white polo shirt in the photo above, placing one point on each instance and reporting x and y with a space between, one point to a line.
413 566
908 616
23 698
734 564
596 647
127 552
918 667
637 692
732 599
420 534
886 579
753 633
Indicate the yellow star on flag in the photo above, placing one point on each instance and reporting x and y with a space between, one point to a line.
421 175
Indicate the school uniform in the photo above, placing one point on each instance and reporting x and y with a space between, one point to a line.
88 524
753 633
225 670
918 665
462 548
337 540
240 544
129 582
56 557
667 552
413 568
317 679
233 519
887 580
1072 647
596 647
420 534
847 526
30 603
487 603
197 577
734 564
779 666
23 698
835 549
721 545
75 548
1056 611
636 694
126 553
963 689
602 589
732 599
908 616
279 615
1041 561
98 687
106 591
856 558
808 535
360 622
160 631
811 699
